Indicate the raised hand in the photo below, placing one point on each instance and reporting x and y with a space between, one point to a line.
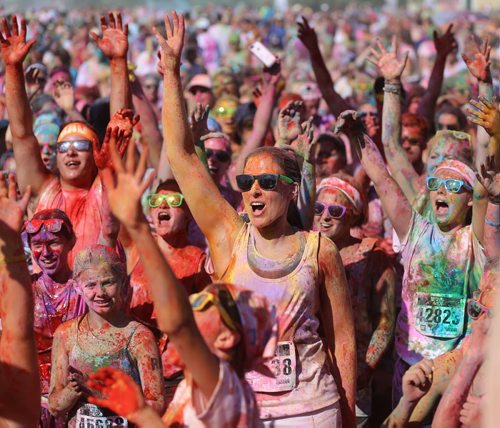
114 40
390 66
171 46
124 120
35 83
12 209
14 46
199 118
489 177
302 145
125 184
418 380
102 156
307 35
446 43
479 64
350 123
289 122
117 390
64 95
272 74
485 114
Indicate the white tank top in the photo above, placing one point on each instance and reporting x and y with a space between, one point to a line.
296 297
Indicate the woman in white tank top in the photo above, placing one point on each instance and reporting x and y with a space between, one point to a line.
300 272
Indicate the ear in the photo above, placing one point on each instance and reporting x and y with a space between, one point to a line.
227 340
471 201
295 192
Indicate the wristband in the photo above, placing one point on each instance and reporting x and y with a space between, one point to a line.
492 224
392 88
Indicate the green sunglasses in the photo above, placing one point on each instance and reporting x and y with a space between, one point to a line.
173 200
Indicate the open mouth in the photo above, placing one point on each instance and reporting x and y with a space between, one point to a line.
163 216
442 207
257 207
213 169
326 225
102 302
72 164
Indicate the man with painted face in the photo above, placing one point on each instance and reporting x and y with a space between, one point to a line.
443 257
371 278
76 191
51 238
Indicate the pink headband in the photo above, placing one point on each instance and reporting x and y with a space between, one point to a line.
347 189
465 171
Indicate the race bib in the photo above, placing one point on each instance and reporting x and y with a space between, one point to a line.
284 368
87 417
440 315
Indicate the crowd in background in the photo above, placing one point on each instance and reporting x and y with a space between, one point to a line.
189 237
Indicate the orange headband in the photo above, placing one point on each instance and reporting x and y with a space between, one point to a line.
80 129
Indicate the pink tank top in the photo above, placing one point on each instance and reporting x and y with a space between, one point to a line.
296 296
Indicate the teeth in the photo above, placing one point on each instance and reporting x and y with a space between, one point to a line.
326 224
163 216
257 206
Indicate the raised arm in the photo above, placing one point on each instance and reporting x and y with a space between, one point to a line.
337 322
218 221
308 37
263 116
490 178
444 45
30 168
391 68
479 67
292 135
149 123
20 387
394 202
455 395
384 306
173 310
114 45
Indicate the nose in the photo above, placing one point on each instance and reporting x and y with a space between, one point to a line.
46 251
256 190
72 152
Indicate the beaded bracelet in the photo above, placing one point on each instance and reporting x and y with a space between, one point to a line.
392 88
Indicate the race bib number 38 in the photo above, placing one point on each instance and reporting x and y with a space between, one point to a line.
440 315
284 368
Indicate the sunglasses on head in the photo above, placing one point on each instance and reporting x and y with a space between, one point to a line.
266 181
78 145
441 127
452 185
476 309
173 200
52 225
221 155
224 303
336 210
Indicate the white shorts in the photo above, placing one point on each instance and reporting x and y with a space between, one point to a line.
328 417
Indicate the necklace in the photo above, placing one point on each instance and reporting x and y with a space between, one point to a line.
273 269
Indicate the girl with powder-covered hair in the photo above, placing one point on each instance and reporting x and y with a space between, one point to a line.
104 337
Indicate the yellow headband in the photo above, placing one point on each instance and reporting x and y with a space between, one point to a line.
80 129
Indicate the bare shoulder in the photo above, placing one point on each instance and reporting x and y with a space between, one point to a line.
66 332
328 251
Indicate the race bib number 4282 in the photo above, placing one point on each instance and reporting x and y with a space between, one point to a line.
440 315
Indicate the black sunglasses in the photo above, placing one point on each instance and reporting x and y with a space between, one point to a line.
221 155
266 181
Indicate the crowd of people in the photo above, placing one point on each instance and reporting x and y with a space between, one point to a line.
189 237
